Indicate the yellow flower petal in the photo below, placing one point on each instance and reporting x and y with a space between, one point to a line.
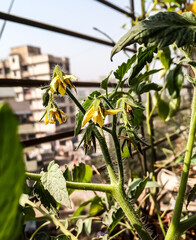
58 117
64 115
100 120
67 81
88 115
46 120
61 89
54 84
95 116
111 111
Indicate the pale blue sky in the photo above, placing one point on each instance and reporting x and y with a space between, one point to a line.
88 61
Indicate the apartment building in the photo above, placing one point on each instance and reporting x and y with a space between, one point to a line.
27 62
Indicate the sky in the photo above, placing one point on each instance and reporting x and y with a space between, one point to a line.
88 61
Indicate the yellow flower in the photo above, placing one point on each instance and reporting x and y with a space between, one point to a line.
190 8
61 85
52 114
97 114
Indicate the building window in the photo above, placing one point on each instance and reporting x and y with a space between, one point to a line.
64 109
1 71
71 109
15 73
7 70
73 119
25 68
13 60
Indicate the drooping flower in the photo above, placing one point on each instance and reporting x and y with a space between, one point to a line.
57 82
97 113
189 8
52 114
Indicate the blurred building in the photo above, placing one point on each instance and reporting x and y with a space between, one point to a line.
27 62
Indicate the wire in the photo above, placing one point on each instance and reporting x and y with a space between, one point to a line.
4 23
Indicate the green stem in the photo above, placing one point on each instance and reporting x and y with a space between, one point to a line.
106 155
75 100
37 230
118 233
118 152
174 228
62 228
143 9
77 185
188 223
53 219
129 211
149 130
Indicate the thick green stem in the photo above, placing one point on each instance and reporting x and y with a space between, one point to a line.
128 208
174 230
118 152
149 129
106 155
77 185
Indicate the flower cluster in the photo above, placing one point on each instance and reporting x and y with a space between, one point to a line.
97 113
53 113
59 83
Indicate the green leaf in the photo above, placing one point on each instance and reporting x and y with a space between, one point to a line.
60 237
12 174
29 214
174 106
143 76
146 87
96 206
82 207
113 217
55 183
162 107
41 236
125 153
45 197
82 173
144 56
137 187
152 184
191 80
165 57
191 194
79 226
193 160
104 83
138 117
124 68
46 98
117 216
161 30
87 226
175 80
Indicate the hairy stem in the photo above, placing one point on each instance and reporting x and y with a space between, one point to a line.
53 219
118 152
76 185
130 213
174 230
106 155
